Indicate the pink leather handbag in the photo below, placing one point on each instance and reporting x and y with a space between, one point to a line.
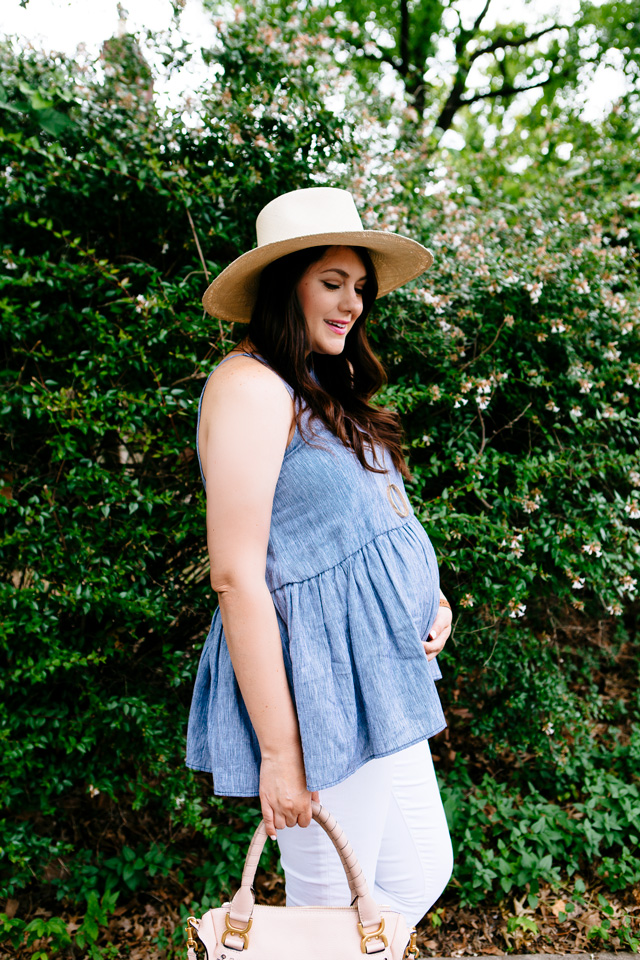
302 933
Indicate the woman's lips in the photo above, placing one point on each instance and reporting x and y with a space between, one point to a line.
337 326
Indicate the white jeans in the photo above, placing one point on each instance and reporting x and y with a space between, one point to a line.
390 810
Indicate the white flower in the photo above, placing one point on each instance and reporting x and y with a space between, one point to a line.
585 385
576 411
612 352
93 791
179 801
517 609
165 247
483 402
535 291
614 608
577 583
594 549
557 326
634 478
582 286
467 600
548 729
514 543
530 506
10 265
142 303
426 439
460 402
633 509
552 406
628 584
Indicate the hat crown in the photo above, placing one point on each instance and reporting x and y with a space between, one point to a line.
302 213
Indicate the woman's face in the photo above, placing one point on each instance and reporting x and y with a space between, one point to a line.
330 294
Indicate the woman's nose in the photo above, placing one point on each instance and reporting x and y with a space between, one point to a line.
351 302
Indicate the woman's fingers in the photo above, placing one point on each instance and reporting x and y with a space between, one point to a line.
439 633
269 823
438 636
305 818
442 622
432 648
283 790
278 821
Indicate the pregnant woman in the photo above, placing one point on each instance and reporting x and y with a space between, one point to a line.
317 679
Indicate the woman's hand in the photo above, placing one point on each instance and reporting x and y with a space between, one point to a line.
439 633
284 797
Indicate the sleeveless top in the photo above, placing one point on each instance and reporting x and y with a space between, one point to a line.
354 582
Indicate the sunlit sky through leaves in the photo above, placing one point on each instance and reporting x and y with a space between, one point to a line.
65 24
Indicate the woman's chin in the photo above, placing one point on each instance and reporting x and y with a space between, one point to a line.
329 348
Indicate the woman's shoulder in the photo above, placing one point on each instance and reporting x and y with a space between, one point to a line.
246 378
245 398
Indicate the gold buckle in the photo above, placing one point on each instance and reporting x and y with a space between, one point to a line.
376 935
243 934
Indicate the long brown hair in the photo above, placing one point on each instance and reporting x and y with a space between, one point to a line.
336 389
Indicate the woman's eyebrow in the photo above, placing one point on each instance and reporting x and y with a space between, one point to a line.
343 273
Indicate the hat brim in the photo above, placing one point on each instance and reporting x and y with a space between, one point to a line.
396 260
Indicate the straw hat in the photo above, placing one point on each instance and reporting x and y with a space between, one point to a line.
313 217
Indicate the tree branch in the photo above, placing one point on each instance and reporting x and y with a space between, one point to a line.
481 16
506 90
502 42
454 101
403 44
379 57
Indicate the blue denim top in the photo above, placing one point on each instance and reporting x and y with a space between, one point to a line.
354 582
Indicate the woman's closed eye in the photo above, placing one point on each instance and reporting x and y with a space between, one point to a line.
336 286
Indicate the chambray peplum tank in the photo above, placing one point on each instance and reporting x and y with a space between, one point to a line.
354 582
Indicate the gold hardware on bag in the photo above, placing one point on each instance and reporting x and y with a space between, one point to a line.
412 947
190 939
376 935
243 934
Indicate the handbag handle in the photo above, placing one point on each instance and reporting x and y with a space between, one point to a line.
242 904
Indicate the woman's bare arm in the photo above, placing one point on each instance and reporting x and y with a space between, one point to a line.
245 424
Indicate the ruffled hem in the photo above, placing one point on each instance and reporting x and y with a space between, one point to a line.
352 644
220 791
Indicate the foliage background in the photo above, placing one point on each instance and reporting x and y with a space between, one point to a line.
516 366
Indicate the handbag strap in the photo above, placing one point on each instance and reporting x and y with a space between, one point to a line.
241 906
